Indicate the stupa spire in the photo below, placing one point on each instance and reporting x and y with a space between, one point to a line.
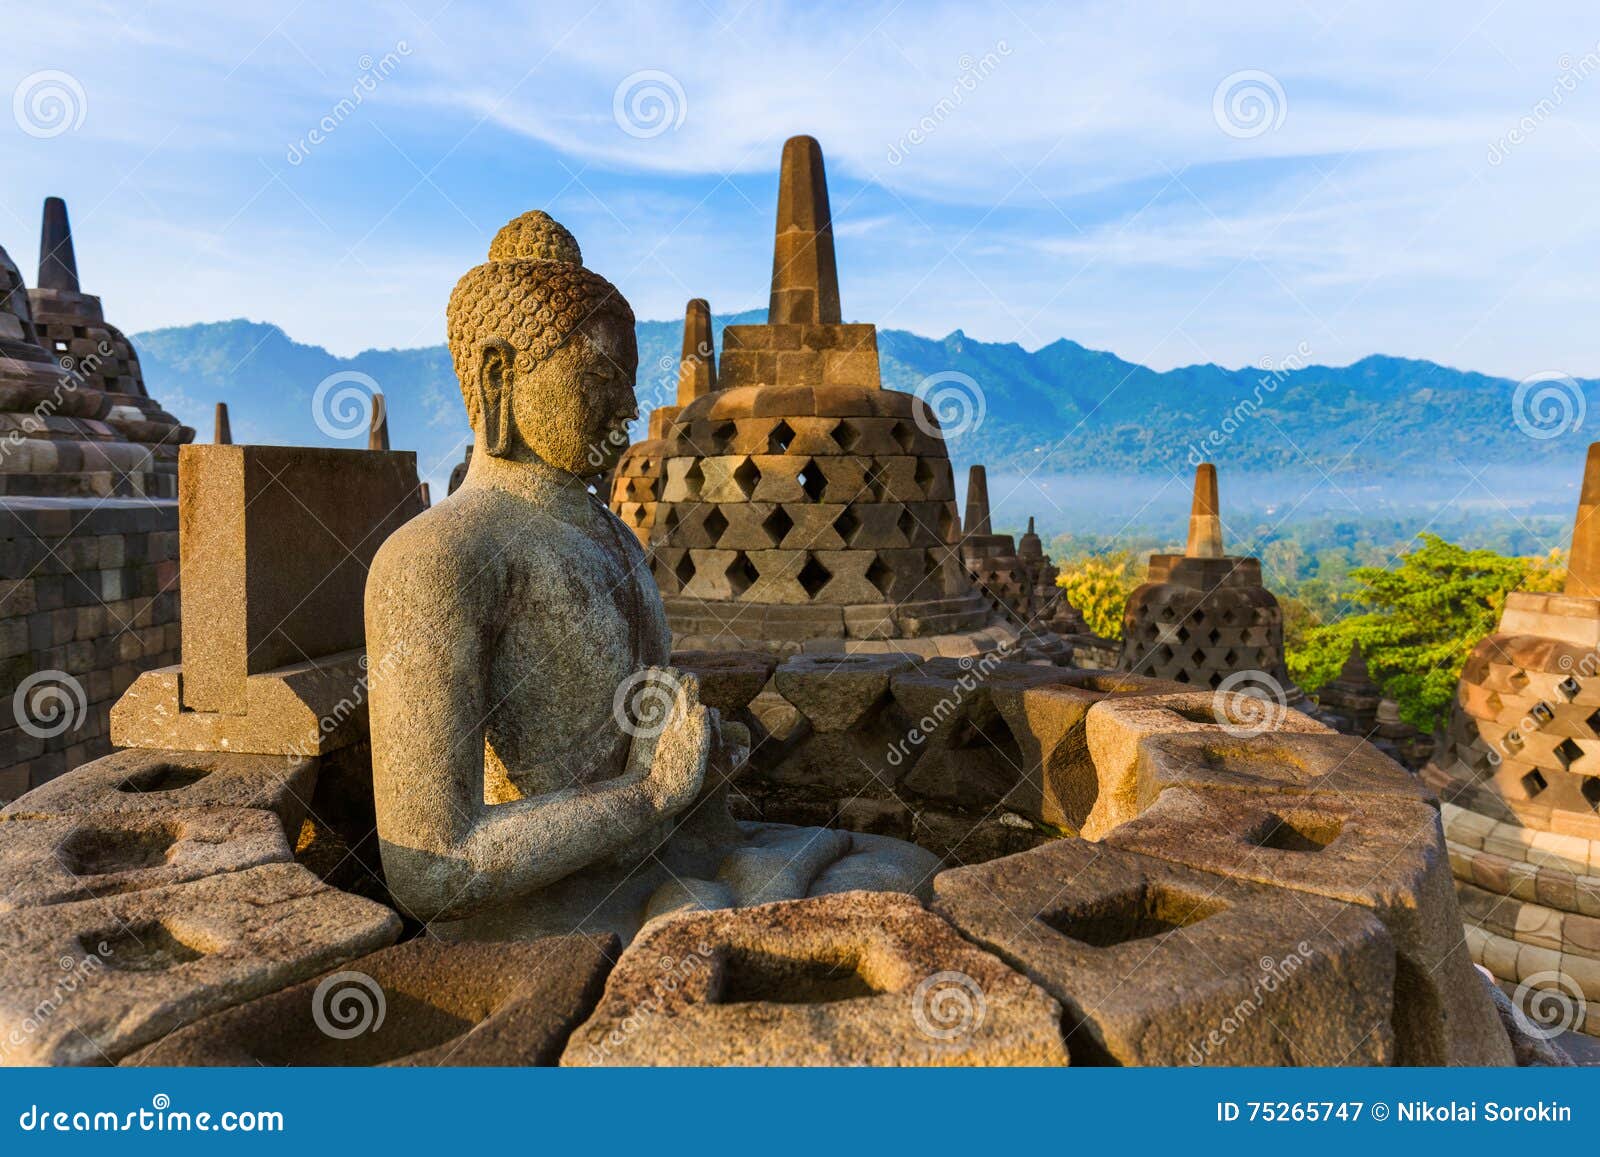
224 431
1205 521
805 276
697 367
378 432
977 520
58 265
1583 567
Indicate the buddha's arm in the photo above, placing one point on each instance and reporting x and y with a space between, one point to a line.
446 852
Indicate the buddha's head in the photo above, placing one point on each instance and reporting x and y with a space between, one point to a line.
544 351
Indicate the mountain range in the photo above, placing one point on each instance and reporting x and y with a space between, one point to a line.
1060 409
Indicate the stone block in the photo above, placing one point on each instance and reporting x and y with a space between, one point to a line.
276 542
857 978
145 963
59 859
159 781
1157 964
1384 853
1137 743
414 1004
301 709
837 692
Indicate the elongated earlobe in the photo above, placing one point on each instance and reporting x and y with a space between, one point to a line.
494 400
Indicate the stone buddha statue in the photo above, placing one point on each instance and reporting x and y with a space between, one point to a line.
537 767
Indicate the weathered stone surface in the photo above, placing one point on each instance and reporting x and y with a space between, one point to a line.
57 859
1529 1049
836 692
418 1003
857 978
145 963
1385 853
729 680
299 709
147 781
276 542
1157 964
1226 730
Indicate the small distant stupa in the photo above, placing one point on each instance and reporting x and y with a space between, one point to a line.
1203 615
803 505
636 486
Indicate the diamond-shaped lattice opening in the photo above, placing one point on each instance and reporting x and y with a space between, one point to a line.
813 481
694 478
669 520
741 573
1227 617
1230 659
1215 636
880 576
814 576
847 524
1594 721
684 570
777 525
1533 783
872 485
924 476
1569 688
747 476
722 435
1591 792
1518 680
1514 740
716 522
1183 635
781 438
845 435
904 435
1568 753
1542 712
906 524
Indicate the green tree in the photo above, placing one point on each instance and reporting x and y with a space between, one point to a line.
1099 586
1426 616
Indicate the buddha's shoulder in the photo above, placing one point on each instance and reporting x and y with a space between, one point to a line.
462 535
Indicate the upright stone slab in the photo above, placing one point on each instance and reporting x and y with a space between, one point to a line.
275 543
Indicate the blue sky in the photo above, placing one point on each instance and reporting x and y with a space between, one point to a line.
1085 176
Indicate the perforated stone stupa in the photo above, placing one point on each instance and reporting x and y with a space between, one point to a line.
803 505
1519 773
1203 615
88 521
636 486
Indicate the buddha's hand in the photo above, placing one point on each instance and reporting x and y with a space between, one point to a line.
672 734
